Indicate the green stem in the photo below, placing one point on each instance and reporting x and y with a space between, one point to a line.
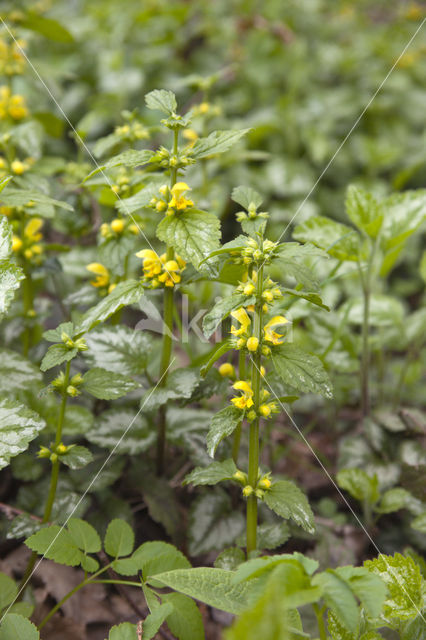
242 372
53 476
28 301
253 468
167 337
366 282
320 619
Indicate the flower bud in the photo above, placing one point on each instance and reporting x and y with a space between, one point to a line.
227 370
117 225
248 491
252 343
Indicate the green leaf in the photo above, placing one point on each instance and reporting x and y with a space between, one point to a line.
271 536
192 233
5 239
246 196
289 502
339 240
56 355
364 210
76 457
185 621
107 385
222 309
212 586
10 277
265 564
230 559
216 142
139 200
119 349
48 27
125 293
109 429
404 581
367 587
153 622
119 538
213 524
292 258
161 100
214 473
8 590
42 205
15 626
152 558
419 523
359 484
56 543
221 426
301 370
18 427
124 631
55 335
180 384
84 535
339 598
130 158
16 371
393 500
384 311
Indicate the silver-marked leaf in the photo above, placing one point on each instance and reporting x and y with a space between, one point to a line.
107 385
302 371
76 457
18 427
16 371
221 426
119 349
289 502
216 142
119 430
125 293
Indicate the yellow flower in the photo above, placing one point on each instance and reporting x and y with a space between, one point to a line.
270 334
245 401
12 105
16 243
169 277
252 343
160 270
242 317
117 225
31 231
190 135
101 272
249 289
18 167
227 370
151 262
178 200
6 211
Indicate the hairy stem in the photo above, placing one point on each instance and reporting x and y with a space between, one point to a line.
319 613
167 337
253 468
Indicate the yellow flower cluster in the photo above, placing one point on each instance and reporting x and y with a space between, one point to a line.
12 61
158 271
117 227
245 400
132 132
270 293
29 245
103 277
205 108
251 343
172 200
12 106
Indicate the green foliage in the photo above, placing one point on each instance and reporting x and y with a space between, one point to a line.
288 501
106 384
119 539
302 371
223 424
214 473
18 427
16 626
216 142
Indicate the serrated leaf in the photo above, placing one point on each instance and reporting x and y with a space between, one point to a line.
10 277
76 457
125 293
84 535
214 473
193 234
124 631
119 538
212 586
8 590
222 309
16 371
221 426
18 427
55 335
119 430
21 197
180 384
359 484
153 622
55 543
139 200
107 385
289 502
16 626
152 558
383 311
339 240
245 196
364 210
367 587
56 355
213 523
216 142
301 370
339 598
119 349
131 158
162 100
185 621
393 500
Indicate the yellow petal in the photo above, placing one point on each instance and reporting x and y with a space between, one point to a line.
98 268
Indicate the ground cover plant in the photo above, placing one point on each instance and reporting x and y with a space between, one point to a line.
212 417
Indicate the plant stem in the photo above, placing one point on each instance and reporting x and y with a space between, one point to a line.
167 336
320 619
242 372
53 476
27 294
253 468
